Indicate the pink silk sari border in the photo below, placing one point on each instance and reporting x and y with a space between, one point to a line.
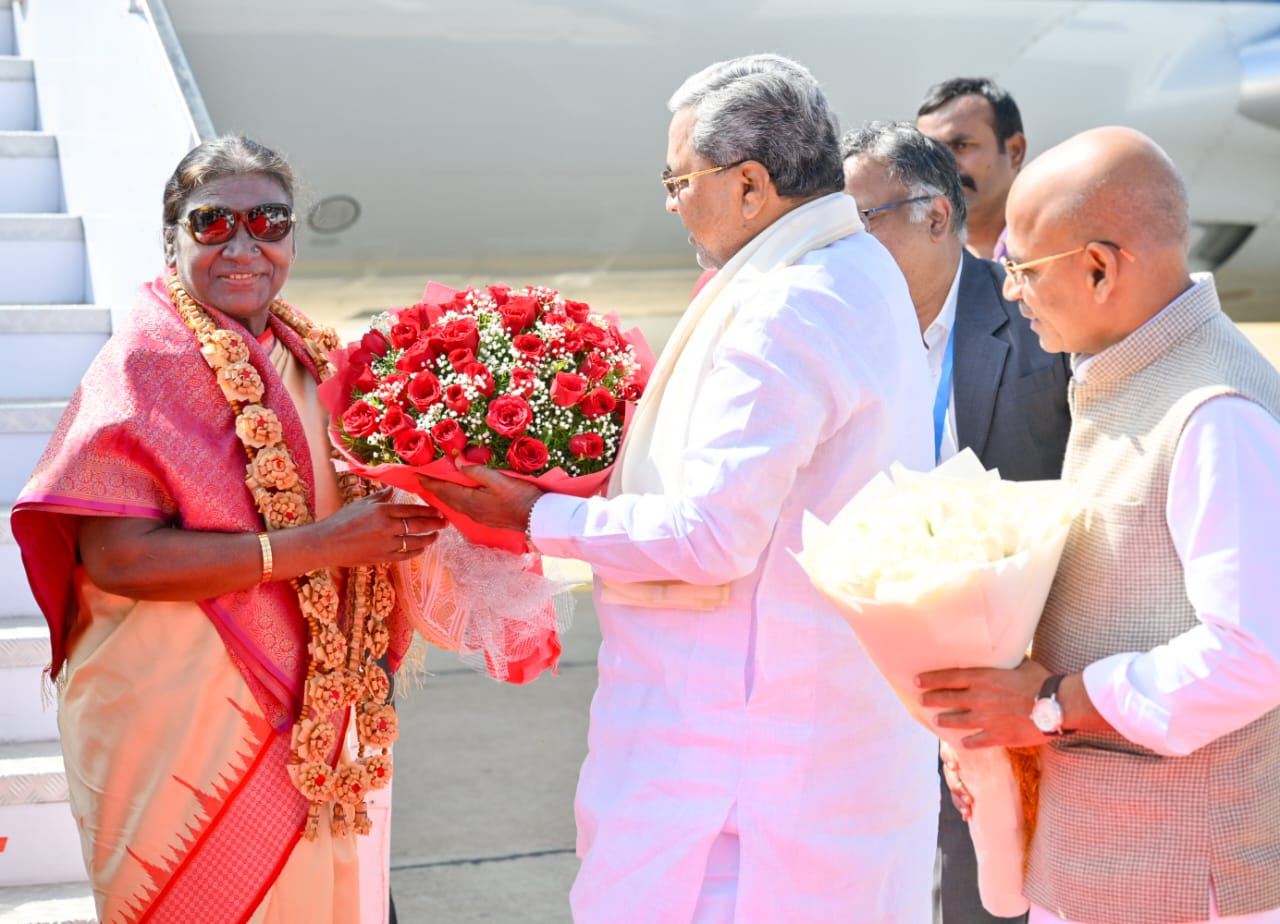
219 856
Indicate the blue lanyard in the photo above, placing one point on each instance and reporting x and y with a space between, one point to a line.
943 397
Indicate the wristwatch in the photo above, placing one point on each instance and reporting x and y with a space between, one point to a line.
1046 713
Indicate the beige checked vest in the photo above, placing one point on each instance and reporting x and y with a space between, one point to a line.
1126 836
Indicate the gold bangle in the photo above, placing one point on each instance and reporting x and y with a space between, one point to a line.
268 562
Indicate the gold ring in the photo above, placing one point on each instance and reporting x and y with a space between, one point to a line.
404 543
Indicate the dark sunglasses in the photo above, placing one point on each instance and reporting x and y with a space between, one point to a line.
216 224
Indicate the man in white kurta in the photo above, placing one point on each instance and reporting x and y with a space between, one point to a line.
746 761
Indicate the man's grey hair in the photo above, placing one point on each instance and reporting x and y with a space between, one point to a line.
769 109
926 167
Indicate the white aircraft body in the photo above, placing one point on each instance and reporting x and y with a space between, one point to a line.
526 136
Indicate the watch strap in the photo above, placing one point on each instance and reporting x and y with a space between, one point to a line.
1049 690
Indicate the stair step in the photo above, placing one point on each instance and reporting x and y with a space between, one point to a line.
30 179
16 600
54 319
31 334
17 94
42 844
42 259
31 772
25 428
24 642
62 903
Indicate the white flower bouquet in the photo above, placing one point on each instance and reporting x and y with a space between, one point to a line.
950 569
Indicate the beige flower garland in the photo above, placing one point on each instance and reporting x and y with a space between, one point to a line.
342 670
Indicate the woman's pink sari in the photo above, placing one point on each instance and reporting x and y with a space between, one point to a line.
149 434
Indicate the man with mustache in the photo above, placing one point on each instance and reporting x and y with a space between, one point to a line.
980 123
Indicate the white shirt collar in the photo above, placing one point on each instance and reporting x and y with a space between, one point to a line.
935 335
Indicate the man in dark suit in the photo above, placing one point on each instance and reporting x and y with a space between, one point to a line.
999 393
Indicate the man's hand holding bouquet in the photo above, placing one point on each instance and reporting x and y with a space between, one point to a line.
943 570
525 382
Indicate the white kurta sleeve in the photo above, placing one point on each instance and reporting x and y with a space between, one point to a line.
1224 491
778 385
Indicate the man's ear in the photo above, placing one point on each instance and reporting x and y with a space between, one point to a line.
756 186
939 217
1016 146
1103 265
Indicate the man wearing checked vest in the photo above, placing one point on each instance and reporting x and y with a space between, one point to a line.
1153 687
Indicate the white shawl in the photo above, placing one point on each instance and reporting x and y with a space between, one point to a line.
651 460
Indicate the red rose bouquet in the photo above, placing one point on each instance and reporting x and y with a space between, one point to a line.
525 381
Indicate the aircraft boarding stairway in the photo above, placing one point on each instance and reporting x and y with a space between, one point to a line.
98 73
48 335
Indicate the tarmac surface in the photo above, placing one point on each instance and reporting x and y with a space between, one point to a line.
482 815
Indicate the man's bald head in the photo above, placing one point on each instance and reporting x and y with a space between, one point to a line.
1110 183
1101 222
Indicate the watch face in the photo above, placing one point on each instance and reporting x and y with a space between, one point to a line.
1046 714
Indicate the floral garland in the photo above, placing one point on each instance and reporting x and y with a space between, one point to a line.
342 670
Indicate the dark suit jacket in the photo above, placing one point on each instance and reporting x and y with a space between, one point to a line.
1011 396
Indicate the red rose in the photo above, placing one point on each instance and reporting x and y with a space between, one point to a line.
456 400
595 367
523 381
421 314
365 381
461 358
404 334
519 312
480 374
360 419
593 336
418 356
554 317
598 402
395 421
527 455
587 445
391 389
414 447
567 342
632 389
509 416
371 344
500 293
449 437
456 334
568 389
529 346
477 455
424 390
578 311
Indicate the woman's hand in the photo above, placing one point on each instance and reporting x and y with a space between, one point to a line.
151 560
365 532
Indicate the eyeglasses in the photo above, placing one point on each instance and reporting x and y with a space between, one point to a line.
676 183
1014 270
216 224
868 213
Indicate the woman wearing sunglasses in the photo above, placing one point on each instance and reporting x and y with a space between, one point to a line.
215 593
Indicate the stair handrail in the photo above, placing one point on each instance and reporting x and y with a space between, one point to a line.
158 14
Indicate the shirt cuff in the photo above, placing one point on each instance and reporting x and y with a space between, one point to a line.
1111 688
551 524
